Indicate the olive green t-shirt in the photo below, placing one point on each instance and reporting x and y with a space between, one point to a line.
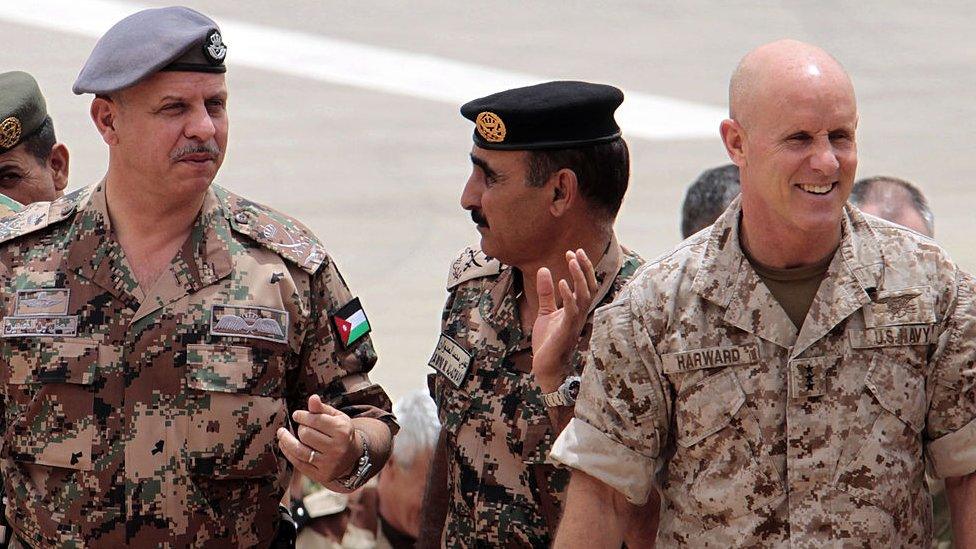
794 288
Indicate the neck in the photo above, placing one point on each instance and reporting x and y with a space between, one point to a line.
593 242
786 249
148 217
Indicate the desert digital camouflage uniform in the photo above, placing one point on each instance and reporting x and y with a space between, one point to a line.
502 491
8 206
147 417
762 436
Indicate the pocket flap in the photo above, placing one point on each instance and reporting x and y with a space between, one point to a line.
899 390
221 368
708 407
72 361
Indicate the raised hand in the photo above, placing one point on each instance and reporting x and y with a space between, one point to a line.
327 446
557 329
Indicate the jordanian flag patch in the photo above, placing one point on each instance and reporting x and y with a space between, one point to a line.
351 323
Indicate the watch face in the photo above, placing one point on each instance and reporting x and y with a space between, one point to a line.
573 389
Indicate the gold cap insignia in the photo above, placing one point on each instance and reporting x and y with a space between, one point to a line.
490 127
10 132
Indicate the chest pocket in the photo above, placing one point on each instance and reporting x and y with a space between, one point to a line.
50 400
720 469
234 407
889 423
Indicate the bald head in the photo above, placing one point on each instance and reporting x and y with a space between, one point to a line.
772 71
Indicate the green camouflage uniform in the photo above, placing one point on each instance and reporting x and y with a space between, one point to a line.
760 435
146 417
502 491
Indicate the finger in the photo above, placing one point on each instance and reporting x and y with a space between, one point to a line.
569 304
314 439
580 286
296 452
325 424
545 291
588 270
316 405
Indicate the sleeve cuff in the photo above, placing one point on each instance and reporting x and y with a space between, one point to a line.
954 454
584 447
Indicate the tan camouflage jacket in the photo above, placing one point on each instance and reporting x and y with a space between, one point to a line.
502 490
762 436
145 418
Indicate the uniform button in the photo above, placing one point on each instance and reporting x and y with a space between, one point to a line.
241 217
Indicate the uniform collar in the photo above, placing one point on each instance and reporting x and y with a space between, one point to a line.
726 279
96 255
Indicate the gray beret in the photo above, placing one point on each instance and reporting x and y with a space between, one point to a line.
153 40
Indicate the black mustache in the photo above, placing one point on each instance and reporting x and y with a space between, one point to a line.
478 218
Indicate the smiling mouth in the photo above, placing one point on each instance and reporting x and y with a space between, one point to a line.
818 189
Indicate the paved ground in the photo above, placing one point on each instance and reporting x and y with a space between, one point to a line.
377 172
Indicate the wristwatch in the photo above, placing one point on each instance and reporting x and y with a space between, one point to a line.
565 395
357 477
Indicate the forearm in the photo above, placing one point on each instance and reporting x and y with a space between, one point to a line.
642 521
594 516
961 494
378 439
435 498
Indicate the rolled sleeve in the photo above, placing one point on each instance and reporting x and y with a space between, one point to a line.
336 373
951 420
621 417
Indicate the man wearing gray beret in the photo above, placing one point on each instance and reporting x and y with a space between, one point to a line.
172 351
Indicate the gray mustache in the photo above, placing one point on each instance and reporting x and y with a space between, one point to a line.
209 147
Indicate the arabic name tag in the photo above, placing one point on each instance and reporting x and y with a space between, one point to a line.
21 326
249 321
451 359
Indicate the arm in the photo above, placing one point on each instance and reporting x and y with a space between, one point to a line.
594 515
435 498
961 493
642 522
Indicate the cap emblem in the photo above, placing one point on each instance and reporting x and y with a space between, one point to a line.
490 127
10 130
214 48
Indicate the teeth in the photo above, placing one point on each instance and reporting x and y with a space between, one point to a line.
817 189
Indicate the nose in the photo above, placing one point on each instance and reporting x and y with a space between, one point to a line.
471 195
824 159
201 126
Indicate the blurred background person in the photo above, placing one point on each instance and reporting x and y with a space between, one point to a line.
894 200
386 512
708 197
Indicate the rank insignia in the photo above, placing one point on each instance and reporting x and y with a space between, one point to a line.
249 321
351 323
490 127
214 49
10 130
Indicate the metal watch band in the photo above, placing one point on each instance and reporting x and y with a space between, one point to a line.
356 478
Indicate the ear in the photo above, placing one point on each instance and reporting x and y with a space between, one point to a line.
59 166
733 137
104 112
565 191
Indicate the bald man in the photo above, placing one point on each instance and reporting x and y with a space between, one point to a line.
896 200
784 378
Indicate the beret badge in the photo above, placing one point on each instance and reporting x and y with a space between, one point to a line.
490 127
214 49
10 130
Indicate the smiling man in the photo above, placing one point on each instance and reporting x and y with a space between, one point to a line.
785 377
33 165
160 334
539 186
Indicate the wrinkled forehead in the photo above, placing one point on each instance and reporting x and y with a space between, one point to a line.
178 84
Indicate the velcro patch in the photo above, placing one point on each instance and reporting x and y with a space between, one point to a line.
249 321
808 376
894 336
900 307
351 323
712 357
21 326
451 359
42 302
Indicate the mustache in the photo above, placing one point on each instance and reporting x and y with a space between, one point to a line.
478 218
210 147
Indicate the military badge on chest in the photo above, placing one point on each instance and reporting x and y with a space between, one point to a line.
41 312
249 321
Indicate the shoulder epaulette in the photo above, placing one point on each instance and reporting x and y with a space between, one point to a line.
36 216
472 263
274 230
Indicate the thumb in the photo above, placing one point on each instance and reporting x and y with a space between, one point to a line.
546 292
315 404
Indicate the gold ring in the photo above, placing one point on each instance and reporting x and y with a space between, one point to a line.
311 457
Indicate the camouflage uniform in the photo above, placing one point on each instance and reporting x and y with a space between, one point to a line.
8 206
762 436
147 416
501 489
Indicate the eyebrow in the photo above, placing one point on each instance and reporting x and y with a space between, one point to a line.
483 164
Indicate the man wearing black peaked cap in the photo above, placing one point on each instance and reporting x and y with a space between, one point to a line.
549 172
161 334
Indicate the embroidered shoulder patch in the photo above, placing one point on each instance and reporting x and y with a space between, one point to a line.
351 323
